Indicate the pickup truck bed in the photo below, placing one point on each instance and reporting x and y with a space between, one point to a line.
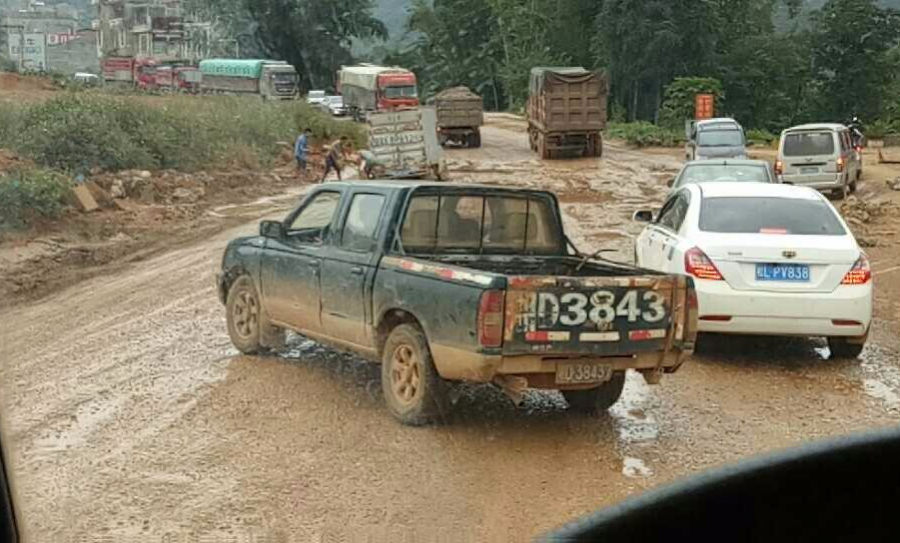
454 283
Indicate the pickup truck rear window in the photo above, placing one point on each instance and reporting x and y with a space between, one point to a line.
481 225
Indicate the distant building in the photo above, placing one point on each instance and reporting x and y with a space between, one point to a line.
141 28
34 21
75 53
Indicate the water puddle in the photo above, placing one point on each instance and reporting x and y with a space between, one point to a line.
633 424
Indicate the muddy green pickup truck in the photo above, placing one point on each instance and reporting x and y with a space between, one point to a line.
444 284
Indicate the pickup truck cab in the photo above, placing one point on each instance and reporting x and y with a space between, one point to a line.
443 283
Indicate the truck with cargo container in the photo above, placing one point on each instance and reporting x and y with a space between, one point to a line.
404 144
268 79
177 78
460 115
130 72
367 88
566 111
445 283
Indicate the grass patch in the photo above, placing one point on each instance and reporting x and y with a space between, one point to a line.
80 131
28 193
644 134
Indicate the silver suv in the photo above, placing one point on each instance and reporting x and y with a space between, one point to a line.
715 139
820 156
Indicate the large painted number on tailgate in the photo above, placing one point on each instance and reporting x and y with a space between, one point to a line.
576 309
657 305
602 308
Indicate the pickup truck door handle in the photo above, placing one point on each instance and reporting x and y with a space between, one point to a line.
356 271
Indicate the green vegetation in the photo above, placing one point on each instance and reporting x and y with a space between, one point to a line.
28 193
81 131
645 134
679 97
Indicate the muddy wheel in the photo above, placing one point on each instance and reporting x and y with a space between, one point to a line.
542 147
248 327
414 392
597 399
476 139
842 349
244 309
598 146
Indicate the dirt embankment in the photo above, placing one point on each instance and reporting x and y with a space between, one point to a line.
140 213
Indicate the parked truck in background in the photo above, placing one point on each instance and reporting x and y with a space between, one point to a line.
567 111
369 89
460 115
269 79
135 72
177 78
405 144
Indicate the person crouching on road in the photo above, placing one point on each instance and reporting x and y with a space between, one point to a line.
334 158
300 150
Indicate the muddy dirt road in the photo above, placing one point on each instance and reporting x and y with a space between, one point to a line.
129 416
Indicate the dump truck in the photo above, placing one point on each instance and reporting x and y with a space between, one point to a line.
460 114
369 89
134 72
405 144
268 79
567 111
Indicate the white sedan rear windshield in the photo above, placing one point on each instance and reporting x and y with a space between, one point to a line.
809 144
769 216
702 173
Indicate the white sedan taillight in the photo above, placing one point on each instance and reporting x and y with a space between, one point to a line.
699 265
860 274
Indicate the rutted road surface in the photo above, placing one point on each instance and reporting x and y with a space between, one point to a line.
129 415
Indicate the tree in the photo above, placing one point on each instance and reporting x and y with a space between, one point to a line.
851 41
313 35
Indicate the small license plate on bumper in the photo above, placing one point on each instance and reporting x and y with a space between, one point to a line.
796 273
576 373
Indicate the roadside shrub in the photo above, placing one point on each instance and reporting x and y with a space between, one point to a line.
679 96
879 129
28 193
644 134
763 137
81 131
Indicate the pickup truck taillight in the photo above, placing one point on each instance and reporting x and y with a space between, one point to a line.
860 274
700 266
490 318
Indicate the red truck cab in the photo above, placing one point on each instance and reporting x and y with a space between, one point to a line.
397 91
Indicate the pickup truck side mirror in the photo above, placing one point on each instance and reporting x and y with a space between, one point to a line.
271 229
643 215
670 183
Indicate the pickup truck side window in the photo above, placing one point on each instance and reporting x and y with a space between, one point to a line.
362 222
312 223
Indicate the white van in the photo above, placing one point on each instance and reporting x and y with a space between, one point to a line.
820 156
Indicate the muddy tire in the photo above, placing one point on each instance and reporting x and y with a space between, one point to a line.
414 392
842 349
597 399
475 142
248 327
543 151
243 310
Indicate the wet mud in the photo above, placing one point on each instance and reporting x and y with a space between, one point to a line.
129 416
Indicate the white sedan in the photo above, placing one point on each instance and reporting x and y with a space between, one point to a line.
766 259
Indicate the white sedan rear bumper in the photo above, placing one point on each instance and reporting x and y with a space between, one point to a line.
785 314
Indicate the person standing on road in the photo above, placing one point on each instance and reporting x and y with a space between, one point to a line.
335 157
300 149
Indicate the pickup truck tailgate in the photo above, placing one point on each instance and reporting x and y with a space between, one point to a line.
600 316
